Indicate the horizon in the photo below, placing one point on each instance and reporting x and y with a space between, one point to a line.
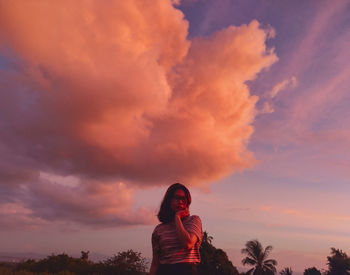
104 105
98 257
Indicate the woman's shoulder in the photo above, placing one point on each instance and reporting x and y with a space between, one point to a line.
160 227
194 219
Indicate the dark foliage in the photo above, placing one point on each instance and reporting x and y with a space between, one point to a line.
214 261
286 271
338 263
312 271
124 263
58 263
85 255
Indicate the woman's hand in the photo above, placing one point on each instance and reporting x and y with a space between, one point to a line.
182 213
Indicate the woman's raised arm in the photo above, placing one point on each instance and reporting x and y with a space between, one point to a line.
187 239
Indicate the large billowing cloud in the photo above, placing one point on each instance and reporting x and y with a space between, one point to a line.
112 92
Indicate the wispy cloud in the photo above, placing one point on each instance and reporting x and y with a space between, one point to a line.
308 48
287 83
268 105
267 108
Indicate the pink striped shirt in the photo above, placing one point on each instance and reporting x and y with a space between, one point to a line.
167 246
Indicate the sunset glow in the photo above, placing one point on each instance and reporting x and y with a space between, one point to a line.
104 104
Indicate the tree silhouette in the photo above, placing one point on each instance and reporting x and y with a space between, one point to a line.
214 261
257 257
286 271
125 263
312 271
56 264
85 256
338 263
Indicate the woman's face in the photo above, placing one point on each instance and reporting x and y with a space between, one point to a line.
179 201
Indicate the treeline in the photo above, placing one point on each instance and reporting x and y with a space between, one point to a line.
214 261
124 263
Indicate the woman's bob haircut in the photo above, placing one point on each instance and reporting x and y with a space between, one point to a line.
166 214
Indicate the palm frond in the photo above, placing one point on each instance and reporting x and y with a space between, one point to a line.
267 251
249 261
271 261
287 271
253 249
270 267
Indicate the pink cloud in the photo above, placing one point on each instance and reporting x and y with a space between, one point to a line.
15 216
95 204
287 83
115 92
267 108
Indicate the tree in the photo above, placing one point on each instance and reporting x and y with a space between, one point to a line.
84 256
312 271
58 264
338 263
52 264
286 271
214 261
257 258
125 263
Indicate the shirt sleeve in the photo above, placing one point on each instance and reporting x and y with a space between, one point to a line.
155 243
195 227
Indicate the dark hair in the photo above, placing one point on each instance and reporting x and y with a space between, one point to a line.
166 214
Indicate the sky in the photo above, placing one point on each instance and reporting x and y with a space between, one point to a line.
105 104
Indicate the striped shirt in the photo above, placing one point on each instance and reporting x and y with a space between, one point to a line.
166 244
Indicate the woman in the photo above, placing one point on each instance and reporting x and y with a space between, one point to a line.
176 241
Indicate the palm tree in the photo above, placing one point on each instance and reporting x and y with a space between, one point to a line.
257 257
286 271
